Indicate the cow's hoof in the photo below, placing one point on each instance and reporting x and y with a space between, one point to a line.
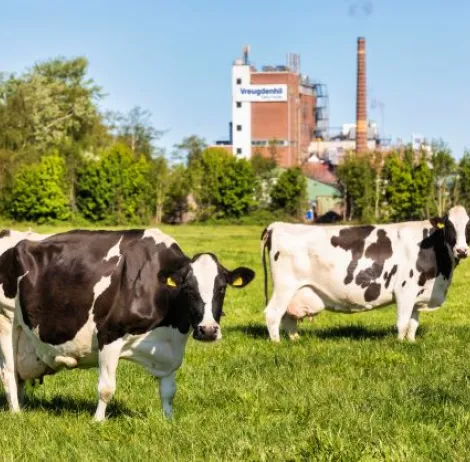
294 337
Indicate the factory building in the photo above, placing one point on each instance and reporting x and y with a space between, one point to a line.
276 111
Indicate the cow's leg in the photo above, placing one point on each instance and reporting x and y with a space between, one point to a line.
405 304
108 362
275 310
7 363
413 325
289 325
167 393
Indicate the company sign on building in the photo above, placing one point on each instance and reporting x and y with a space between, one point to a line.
261 93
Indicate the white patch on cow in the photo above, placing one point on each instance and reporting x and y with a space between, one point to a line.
205 271
158 236
160 351
114 251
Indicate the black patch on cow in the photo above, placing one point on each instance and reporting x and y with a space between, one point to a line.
411 273
10 270
352 239
4 233
57 292
434 256
372 292
378 252
267 236
390 275
421 292
276 255
403 284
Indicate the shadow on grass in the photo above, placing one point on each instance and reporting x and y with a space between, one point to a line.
59 405
353 332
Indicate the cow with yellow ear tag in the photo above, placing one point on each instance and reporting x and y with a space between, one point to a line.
208 280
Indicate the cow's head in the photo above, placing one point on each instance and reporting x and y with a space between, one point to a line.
202 284
455 227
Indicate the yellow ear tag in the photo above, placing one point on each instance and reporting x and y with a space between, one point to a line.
440 225
238 282
170 282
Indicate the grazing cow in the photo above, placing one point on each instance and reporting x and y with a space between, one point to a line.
87 298
8 239
357 268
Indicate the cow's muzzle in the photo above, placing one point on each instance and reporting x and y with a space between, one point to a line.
208 332
461 253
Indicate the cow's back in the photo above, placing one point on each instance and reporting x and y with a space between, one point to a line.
349 267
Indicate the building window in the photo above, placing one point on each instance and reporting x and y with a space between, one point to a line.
239 104
239 81
239 128
239 150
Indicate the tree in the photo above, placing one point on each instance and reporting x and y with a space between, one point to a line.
39 191
444 169
115 188
464 179
398 176
356 176
265 171
159 173
136 131
48 105
235 189
190 150
290 193
176 200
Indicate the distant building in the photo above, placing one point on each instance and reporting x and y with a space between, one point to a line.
275 111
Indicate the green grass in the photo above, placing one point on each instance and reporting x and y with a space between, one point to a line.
347 390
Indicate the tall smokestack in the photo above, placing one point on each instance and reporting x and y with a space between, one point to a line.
361 105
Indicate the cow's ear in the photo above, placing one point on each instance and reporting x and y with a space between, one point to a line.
240 277
171 279
438 222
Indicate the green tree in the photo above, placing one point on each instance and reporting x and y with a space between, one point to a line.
39 191
266 173
398 176
290 193
464 180
190 150
53 102
136 131
422 189
116 188
235 191
227 189
176 199
356 176
444 169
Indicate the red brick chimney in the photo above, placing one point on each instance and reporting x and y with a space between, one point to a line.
361 99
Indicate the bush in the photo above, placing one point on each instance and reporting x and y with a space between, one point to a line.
116 189
289 194
39 192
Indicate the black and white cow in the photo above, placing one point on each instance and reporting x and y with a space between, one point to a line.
87 298
8 239
358 268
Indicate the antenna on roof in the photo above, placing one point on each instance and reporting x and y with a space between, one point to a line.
246 51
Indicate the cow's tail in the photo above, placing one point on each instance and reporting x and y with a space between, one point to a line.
266 237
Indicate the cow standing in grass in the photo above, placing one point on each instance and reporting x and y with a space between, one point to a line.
87 298
358 268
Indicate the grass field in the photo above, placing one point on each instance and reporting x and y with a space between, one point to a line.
347 390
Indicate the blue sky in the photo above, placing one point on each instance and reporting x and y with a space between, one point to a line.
174 58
